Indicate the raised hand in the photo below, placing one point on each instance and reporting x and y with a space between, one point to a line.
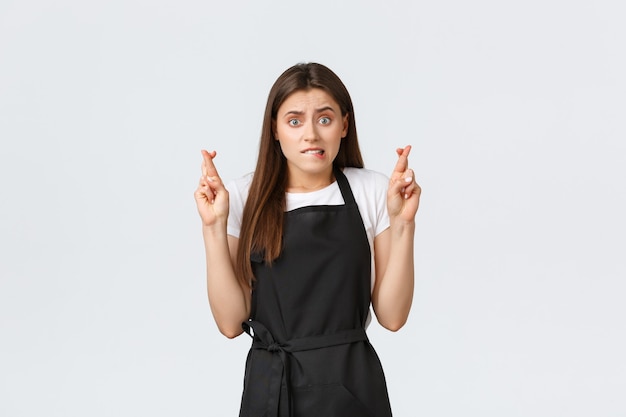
403 195
211 195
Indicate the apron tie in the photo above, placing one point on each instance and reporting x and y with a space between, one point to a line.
263 339
274 347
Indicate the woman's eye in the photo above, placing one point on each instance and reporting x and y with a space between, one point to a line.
294 122
325 120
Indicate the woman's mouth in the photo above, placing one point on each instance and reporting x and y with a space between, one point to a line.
313 151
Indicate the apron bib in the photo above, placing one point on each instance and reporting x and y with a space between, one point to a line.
310 355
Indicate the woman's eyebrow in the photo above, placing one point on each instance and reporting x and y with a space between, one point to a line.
295 112
300 112
325 108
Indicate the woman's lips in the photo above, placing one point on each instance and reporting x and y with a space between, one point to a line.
319 153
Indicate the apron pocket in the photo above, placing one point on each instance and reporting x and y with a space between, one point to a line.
332 400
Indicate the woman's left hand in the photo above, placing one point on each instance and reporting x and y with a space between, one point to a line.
403 195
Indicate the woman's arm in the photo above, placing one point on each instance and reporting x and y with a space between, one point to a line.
393 249
228 297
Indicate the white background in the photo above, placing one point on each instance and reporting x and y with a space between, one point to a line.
515 111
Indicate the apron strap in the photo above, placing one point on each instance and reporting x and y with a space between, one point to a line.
344 187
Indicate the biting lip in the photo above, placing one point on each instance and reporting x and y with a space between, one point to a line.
314 151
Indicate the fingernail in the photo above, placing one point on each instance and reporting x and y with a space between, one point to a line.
408 179
210 179
406 196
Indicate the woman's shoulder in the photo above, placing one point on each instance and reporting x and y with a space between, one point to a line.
238 189
364 176
370 192
240 184
238 193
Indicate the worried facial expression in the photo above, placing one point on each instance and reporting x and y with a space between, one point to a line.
309 126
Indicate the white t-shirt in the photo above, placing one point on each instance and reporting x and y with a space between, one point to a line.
368 187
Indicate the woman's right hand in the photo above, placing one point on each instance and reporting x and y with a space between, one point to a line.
211 195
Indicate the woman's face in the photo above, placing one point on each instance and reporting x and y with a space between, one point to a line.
309 127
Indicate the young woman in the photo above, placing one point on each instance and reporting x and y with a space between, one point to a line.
298 250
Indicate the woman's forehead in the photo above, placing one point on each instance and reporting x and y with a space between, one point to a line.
308 100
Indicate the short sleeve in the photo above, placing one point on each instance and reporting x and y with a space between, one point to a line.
370 192
237 195
382 216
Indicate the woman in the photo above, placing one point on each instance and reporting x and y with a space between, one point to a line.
297 251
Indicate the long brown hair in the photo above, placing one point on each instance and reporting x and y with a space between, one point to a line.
263 213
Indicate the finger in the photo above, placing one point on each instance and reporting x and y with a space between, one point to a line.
408 177
403 160
405 184
412 188
409 190
401 183
203 164
213 184
203 193
204 184
208 165
206 158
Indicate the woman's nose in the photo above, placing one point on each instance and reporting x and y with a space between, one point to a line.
310 132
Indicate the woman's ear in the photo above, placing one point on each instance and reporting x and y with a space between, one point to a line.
344 132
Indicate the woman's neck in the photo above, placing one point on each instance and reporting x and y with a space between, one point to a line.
306 183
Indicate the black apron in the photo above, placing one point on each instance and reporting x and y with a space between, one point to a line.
310 355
